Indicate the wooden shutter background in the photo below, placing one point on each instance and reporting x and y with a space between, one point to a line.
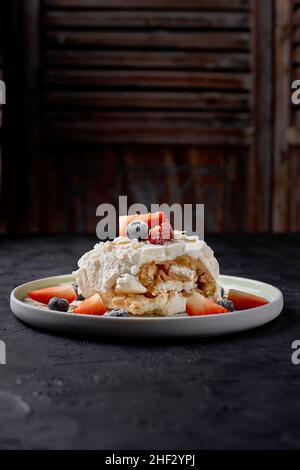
140 71
286 199
153 99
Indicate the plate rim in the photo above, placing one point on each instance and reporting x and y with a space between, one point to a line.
237 313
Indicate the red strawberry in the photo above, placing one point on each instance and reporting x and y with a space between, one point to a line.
152 220
91 306
161 233
244 300
44 295
197 304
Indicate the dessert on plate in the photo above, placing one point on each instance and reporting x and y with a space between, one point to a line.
149 269
154 274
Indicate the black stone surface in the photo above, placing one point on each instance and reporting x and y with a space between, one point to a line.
236 392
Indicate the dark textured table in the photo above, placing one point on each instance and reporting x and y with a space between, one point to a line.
236 392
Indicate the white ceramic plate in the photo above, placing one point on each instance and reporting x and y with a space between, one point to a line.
151 327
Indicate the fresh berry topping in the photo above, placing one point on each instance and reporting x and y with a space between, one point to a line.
244 300
155 236
44 295
197 304
151 219
62 305
91 306
161 234
222 290
137 230
226 303
117 313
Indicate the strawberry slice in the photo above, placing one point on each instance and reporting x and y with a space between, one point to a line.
197 304
152 219
44 295
91 306
244 300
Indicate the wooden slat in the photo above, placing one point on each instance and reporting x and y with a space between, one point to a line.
158 127
141 134
150 100
148 79
31 118
151 39
177 119
170 5
282 114
290 168
147 59
260 157
147 19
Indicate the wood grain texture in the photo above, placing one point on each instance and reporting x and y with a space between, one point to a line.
153 4
164 39
31 117
162 57
57 19
161 100
260 158
282 115
143 134
147 79
158 57
174 118
293 132
159 127
141 60
147 174
149 100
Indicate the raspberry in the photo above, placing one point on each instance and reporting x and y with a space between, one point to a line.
160 234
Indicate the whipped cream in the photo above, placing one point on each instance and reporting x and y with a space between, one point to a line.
115 265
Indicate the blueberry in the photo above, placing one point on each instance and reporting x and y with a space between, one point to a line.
137 230
226 303
222 291
62 305
117 313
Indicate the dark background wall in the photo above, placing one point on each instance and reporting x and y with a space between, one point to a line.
161 100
